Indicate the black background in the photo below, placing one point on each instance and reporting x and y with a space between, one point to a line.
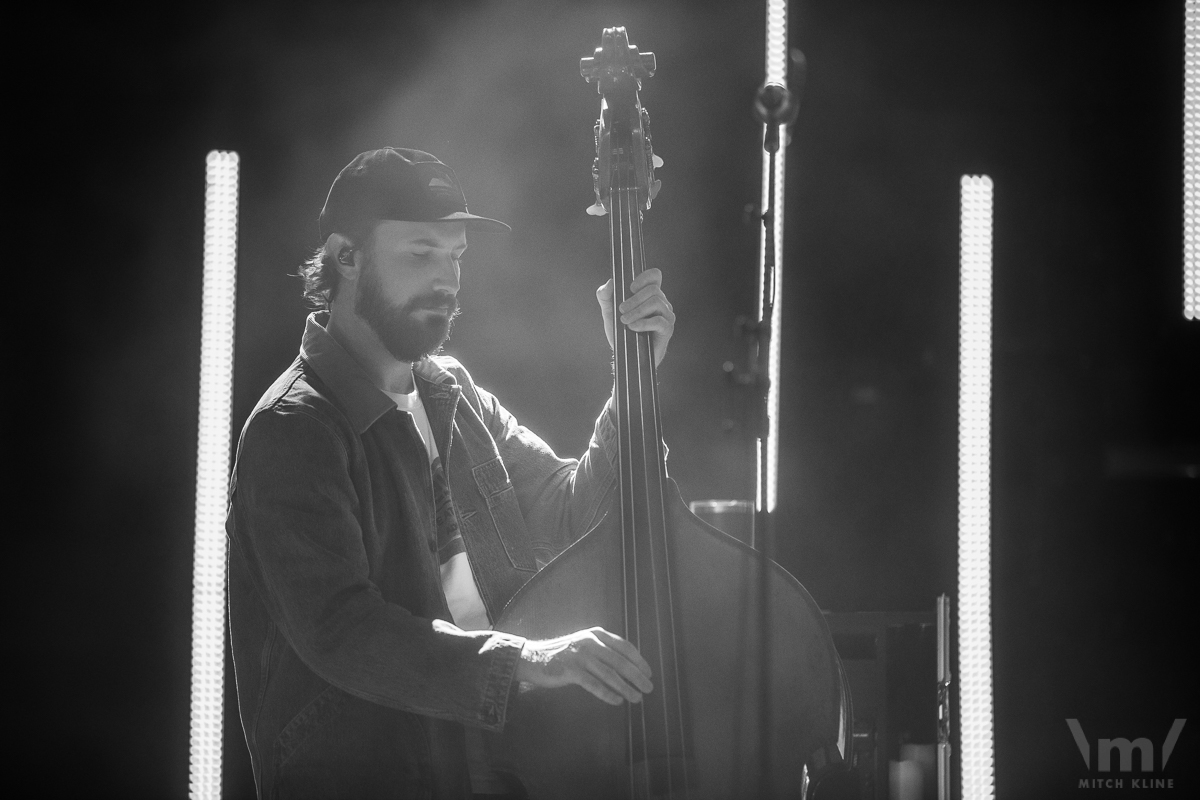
1074 112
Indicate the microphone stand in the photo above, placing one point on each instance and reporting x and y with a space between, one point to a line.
775 107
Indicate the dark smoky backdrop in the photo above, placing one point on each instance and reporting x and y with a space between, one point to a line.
1075 114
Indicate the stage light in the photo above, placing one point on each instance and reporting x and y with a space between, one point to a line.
212 472
974 489
777 63
777 46
1191 161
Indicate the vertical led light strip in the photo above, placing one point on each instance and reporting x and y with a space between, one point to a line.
974 489
777 61
1191 161
212 472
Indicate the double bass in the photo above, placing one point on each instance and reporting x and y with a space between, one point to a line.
721 722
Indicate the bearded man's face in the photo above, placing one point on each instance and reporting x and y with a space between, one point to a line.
407 290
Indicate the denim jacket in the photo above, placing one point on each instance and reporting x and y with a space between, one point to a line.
352 681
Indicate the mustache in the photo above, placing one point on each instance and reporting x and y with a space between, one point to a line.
446 300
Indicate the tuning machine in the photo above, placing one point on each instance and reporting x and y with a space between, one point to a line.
601 177
652 162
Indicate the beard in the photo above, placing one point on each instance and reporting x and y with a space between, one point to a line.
406 336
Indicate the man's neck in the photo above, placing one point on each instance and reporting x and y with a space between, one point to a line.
357 338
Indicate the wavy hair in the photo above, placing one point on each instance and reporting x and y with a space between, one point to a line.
319 272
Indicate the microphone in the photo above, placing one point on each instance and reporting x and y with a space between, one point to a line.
776 105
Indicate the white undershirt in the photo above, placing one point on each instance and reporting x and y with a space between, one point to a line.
463 599
458 581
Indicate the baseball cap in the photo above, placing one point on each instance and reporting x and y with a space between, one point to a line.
400 184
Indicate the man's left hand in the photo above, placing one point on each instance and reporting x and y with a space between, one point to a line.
645 310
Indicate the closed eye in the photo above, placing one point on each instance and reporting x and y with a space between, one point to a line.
428 253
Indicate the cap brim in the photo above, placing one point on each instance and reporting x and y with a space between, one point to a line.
477 223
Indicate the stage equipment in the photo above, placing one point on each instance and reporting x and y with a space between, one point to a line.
1191 161
770 284
900 725
212 472
974 488
944 776
735 517
775 106
685 594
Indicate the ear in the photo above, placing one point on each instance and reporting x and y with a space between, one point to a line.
343 252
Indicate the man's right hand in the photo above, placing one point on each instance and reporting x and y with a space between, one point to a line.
603 663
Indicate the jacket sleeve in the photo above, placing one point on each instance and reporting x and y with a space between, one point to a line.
294 520
560 498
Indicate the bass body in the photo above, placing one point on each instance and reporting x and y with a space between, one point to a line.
568 744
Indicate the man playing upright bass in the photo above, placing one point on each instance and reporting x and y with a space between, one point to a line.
384 509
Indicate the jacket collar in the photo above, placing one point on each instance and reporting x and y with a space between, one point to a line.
361 399
437 380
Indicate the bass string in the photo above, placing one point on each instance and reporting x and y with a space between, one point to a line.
631 341
622 397
627 348
650 458
644 528
656 450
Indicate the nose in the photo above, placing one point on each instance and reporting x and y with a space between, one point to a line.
447 275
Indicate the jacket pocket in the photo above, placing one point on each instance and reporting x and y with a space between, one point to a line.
492 479
314 716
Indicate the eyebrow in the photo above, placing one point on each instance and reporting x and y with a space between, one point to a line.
425 241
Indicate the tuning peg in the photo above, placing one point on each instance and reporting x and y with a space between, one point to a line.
654 187
658 162
597 210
